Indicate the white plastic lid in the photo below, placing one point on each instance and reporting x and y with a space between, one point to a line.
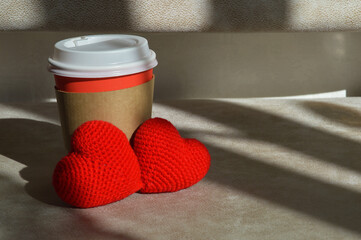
97 56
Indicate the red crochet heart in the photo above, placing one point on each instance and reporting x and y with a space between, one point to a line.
101 167
168 162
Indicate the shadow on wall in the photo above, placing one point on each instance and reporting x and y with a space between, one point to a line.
321 200
86 15
249 15
243 15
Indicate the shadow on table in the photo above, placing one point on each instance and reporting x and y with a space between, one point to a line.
44 110
29 221
321 200
39 146
262 126
334 112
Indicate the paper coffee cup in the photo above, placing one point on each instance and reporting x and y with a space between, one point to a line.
103 77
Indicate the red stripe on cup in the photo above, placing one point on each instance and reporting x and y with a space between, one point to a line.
86 85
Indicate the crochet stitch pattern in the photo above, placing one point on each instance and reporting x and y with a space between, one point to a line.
100 169
167 161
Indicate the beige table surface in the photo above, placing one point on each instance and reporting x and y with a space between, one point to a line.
281 169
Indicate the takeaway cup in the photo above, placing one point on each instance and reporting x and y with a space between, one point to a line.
103 77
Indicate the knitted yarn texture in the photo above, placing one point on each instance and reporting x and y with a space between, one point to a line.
100 169
167 161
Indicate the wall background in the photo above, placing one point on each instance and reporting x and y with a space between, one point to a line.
204 65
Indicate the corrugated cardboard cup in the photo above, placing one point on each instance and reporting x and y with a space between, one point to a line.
103 77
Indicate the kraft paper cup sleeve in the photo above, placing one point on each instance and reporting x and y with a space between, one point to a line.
126 108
